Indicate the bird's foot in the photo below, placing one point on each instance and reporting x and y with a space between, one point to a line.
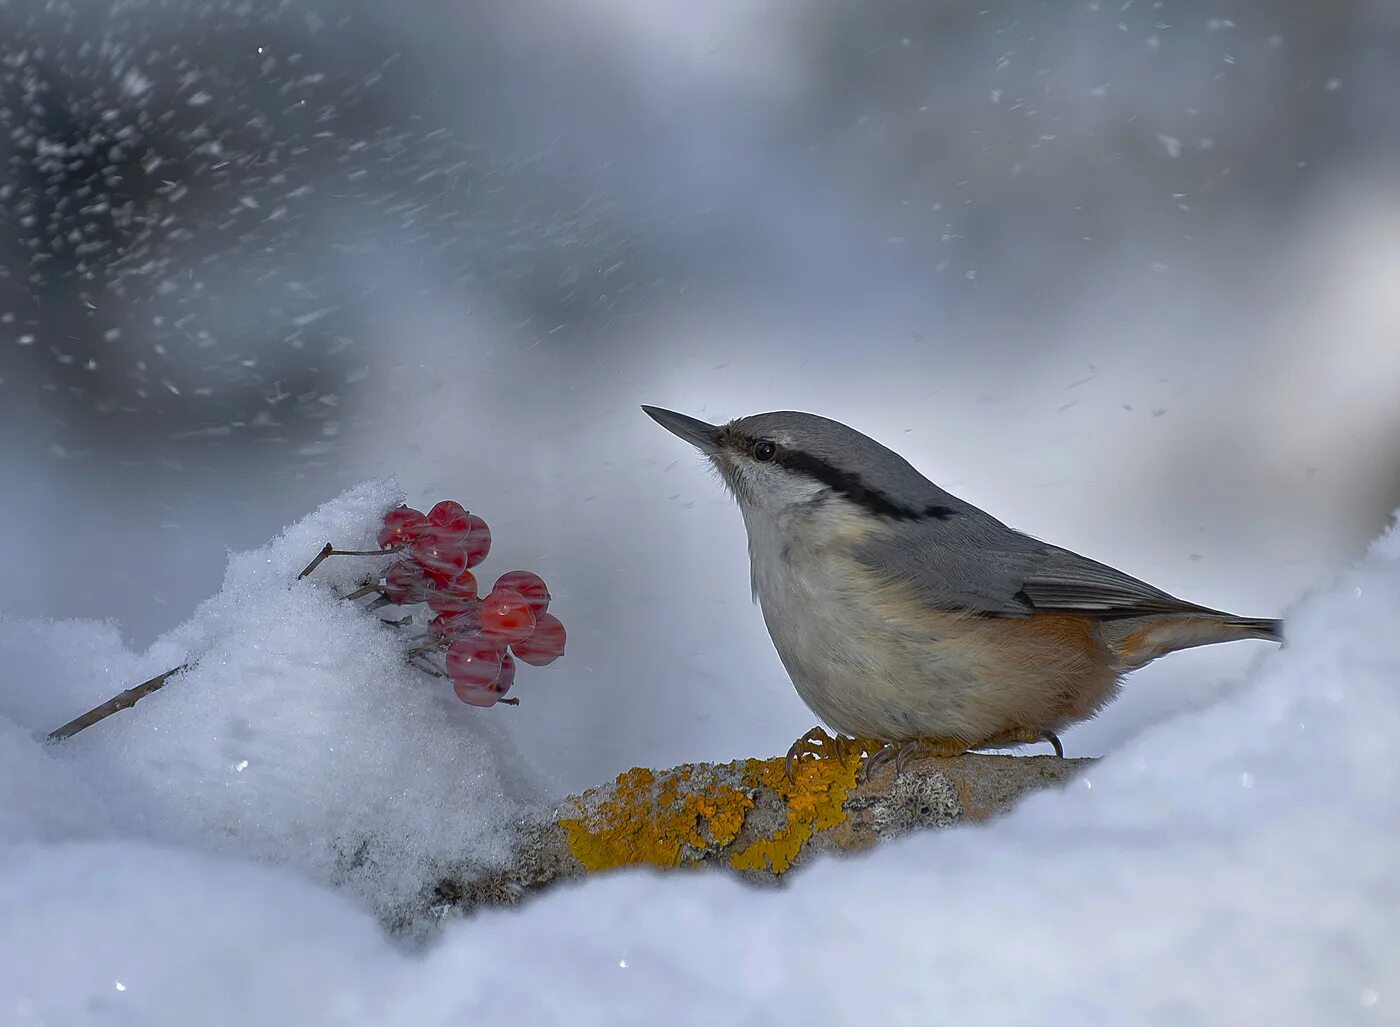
817 744
1023 736
902 752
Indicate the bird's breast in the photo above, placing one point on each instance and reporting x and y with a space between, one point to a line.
871 660
847 654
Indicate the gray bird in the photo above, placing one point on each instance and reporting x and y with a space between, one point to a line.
908 617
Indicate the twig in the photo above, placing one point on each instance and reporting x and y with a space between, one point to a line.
122 701
330 550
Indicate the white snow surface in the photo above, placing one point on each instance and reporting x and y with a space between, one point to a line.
1234 865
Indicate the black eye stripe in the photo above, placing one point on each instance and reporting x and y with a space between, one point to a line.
850 485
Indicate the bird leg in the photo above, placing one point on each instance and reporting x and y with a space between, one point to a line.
1022 736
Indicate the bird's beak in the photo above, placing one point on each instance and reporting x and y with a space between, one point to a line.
700 434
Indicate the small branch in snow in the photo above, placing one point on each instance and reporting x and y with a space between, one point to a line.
122 701
330 550
129 698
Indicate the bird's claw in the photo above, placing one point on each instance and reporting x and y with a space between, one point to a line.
817 744
902 752
1023 736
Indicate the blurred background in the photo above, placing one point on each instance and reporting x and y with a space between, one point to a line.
1125 274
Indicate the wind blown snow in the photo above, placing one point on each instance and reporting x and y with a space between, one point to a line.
1233 865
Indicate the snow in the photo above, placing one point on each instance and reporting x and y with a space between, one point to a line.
1235 864
299 737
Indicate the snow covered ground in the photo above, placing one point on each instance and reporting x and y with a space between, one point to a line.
214 856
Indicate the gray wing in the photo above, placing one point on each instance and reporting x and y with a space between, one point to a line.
972 561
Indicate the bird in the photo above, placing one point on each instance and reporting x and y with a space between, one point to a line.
912 621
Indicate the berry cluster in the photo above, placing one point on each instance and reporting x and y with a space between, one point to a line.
480 637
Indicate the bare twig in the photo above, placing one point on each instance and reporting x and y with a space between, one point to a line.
122 701
326 551
329 550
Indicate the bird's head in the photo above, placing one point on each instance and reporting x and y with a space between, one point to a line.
781 462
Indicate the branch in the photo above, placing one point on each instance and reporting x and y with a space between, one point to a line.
121 701
749 818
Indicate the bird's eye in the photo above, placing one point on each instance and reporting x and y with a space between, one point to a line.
764 450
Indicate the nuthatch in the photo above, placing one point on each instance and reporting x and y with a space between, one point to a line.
906 616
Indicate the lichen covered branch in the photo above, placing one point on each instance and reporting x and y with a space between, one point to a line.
750 818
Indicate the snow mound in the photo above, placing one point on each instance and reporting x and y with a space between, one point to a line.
1234 865
299 736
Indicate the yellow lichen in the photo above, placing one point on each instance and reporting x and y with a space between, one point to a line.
641 819
815 798
677 816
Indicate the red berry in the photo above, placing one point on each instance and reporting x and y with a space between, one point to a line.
440 555
463 586
463 624
473 696
478 540
470 691
506 617
402 524
405 582
546 645
444 602
474 663
531 586
456 595
450 516
507 678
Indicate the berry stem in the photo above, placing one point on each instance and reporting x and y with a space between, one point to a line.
330 550
365 590
121 701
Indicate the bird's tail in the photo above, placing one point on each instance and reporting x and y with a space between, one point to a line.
1257 627
1138 641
